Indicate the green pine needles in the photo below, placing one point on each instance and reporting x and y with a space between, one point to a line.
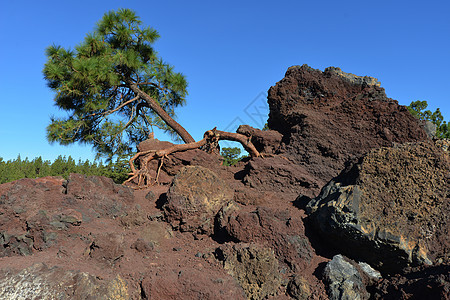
418 109
114 88
62 166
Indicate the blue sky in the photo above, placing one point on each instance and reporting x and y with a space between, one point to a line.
231 53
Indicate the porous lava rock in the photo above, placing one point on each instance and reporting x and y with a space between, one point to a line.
279 175
42 282
189 283
265 141
278 229
427 282
194 198
329 117
391 209
254 267
282 231
298 288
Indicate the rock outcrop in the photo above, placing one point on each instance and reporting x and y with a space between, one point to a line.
391 209
329 117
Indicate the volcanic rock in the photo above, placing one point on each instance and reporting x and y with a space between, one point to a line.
172 164
391 209
100 195
430 282
194 198
329 117
195 157
348 280
41 282
344 280
298 288
265 141
254 267
36 213
279 175
190 284
278 229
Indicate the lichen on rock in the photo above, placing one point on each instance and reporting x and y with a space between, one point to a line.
390 209
194 198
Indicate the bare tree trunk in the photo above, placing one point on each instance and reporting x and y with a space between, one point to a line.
185 136
237 137
210 137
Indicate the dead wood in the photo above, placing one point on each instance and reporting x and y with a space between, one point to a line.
208 143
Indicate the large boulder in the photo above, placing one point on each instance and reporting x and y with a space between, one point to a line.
391 209
194 198
329 117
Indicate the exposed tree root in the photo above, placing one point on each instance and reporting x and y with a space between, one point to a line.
208 143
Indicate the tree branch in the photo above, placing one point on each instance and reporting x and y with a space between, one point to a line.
237 137
210 136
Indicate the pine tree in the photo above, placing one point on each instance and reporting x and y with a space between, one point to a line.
230 155
114 87
418 109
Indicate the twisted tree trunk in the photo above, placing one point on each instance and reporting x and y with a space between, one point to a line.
185 136
210 137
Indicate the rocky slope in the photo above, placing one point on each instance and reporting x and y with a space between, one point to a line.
330 117
350 201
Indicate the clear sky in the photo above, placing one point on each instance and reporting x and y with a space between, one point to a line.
231 52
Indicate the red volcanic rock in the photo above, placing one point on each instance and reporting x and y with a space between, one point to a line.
329 117
280 229
279 175
235 232
265 141
190 283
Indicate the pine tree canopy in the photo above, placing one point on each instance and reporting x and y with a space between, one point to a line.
417 109
114 87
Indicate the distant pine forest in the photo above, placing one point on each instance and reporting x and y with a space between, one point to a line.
62 166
